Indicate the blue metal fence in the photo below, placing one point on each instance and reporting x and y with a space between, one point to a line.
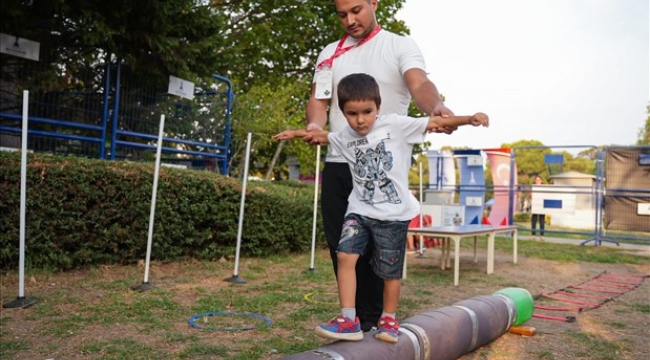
110 118
602 194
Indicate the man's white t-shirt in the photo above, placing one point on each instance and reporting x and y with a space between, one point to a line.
386 57
380 163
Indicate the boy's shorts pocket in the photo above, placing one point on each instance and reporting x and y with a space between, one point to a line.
389 257
390 264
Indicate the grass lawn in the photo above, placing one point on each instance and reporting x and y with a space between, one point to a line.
93 313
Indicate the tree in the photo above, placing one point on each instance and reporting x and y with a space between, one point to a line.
529 158
584 162
254 43
414 171
264 111
251 42
644 132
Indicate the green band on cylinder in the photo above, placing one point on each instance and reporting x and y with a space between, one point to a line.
523 302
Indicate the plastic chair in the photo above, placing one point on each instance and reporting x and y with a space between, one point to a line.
427 221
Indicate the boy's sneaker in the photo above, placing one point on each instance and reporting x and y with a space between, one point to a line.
341 328
387 329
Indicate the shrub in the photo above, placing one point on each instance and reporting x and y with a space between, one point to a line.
522 217
526 217
88 211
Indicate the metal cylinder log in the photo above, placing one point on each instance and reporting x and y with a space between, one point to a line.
368 348
443 334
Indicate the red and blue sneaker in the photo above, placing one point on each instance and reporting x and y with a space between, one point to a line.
341 328
387 329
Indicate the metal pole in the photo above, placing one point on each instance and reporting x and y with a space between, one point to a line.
145 284
235 277
23 196
421 251
21 301
313 229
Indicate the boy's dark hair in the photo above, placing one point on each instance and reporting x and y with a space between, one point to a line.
358 87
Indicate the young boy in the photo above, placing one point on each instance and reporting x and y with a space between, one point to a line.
378 150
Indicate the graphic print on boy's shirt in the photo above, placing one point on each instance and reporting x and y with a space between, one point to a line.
370 170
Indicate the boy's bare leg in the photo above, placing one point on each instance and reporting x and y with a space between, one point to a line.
347 279
388 327
392 289
346 325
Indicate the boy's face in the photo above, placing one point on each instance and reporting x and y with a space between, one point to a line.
361 115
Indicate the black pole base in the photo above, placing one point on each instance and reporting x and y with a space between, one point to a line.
310 271
598 240
145 286
20 302
235 279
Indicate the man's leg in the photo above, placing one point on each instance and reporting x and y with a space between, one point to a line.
370 292
337 186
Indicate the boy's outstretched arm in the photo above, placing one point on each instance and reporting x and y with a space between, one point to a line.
320 136
478 119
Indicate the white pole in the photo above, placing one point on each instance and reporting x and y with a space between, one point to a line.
421 217
153 197
241 206
313 229
23 197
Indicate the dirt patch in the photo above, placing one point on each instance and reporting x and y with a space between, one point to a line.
623 323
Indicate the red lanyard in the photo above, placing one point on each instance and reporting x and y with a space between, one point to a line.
340 50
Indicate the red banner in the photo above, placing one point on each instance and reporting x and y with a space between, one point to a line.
500 168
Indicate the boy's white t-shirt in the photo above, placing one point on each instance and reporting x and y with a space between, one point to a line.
415 203
386 57
379 163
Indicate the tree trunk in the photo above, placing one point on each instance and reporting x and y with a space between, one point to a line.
278 150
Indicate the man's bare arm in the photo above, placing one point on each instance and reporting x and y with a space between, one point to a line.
426 96
316 112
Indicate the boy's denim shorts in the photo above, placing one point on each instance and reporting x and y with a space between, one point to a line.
386 240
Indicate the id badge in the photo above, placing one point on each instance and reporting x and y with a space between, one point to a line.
323 81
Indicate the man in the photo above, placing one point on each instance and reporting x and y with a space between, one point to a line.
398 66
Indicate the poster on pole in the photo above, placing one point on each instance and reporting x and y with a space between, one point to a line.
180 87
453 215
17 46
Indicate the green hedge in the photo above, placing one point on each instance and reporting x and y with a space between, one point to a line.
526 217
87 211
522 217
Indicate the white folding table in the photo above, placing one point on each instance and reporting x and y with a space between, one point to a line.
456 233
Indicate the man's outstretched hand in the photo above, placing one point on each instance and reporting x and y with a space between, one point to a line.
442 110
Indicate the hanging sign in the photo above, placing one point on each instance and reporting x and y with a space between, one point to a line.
16 46
180 87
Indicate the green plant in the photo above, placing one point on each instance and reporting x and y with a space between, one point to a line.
83 212
93 312
522 217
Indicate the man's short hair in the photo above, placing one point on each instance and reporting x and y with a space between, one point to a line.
358 87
